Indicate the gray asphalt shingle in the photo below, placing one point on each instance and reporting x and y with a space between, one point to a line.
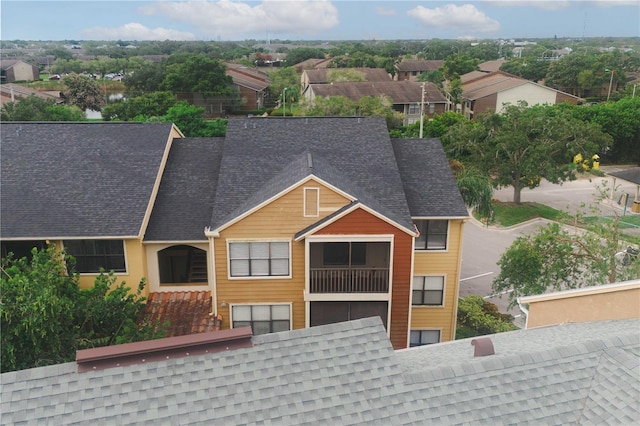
185 199
263 155
78 179
348 373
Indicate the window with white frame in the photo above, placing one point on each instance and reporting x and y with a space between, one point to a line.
259 259
424 337
433 234
262 319
414 109
428 291
93 255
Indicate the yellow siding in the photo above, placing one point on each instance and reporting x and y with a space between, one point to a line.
440 263
136 267
279 220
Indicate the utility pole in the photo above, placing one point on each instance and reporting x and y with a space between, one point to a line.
610 84
284 102
422 110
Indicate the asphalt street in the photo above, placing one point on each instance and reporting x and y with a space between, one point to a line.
483 246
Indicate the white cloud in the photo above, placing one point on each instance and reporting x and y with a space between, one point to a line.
383 11
229 19
461 18
538 4
560 4
135 31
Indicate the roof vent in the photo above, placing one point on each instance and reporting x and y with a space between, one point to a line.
482 347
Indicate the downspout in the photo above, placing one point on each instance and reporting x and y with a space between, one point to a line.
525 312
212 276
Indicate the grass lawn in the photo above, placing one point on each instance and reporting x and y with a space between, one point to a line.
509 214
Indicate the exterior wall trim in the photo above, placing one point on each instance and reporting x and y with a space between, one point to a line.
216 231
606 288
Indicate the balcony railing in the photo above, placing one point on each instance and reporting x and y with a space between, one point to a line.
349 280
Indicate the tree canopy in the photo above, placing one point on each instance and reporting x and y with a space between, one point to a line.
524 144
199 74
34 108
45 316
478 317
83 92
556 258
366 106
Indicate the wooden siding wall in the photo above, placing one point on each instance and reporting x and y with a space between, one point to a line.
363 223
441 263
281 219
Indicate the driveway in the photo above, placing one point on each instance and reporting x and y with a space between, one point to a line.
483 246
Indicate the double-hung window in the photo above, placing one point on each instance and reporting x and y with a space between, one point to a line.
93 255
263 319
428 291
424 337
433 234
259 259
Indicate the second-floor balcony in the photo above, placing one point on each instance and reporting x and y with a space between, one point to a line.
349 267
349 280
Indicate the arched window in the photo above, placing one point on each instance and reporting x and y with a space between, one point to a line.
182 264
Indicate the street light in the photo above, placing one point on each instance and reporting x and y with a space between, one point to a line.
610 83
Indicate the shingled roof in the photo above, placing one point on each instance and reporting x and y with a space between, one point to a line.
400 92
187 312
65 180
348 373
354 153
429 184
185 199
419 65
323 75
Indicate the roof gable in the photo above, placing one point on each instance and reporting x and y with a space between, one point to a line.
82 180
352 154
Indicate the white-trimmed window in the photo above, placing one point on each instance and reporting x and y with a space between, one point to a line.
414 109
262 319
311 202
424 337
259 259
428 290
93 255
433 234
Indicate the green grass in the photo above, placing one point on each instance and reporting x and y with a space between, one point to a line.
509 214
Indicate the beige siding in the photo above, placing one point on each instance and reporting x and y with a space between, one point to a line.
440 263
268 224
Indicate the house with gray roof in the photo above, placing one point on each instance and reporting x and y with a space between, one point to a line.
492 91
410 69
285 223
342 374
406 96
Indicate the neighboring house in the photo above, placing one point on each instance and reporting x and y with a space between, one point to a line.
312 63
411 69
14 92
597 303
251 84
405 96
17 70
491 66
329 76
491 91
630 175
289 223
339 374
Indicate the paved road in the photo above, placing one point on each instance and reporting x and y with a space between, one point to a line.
483 247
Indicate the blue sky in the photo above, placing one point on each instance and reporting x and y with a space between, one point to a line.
316 19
